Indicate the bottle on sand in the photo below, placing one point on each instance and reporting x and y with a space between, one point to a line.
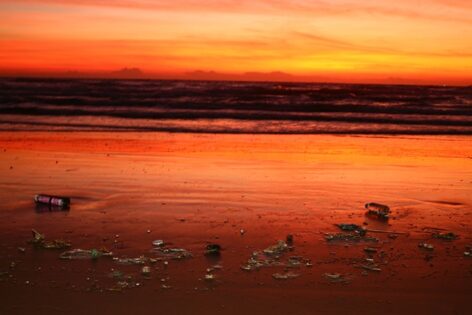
63 202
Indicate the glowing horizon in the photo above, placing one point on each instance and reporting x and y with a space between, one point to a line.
426 41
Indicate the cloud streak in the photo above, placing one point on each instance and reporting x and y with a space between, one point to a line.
447 10
346 37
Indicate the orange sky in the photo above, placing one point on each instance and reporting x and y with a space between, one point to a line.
403 41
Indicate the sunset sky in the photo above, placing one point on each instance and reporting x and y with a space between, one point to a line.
402 41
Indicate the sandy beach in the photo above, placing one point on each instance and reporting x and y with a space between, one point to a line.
243 192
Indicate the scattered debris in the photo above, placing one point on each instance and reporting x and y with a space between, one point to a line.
39 241
276 249
298 261
426 246
270 257
158 243
351 228
370 264
336 278
212 250
285 276
371 267
127 283
256 262
84 254
132 261
349 237
209 277
295 261
289 239
171 253
37 237
370 250
431 229
373 206
146 270
378 210
449 236
214 268
333 276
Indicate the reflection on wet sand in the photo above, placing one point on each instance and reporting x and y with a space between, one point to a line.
245 193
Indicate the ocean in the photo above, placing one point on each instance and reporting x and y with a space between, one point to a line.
233 107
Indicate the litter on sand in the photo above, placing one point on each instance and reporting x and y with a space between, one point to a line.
289 239
449 236
127 283
285 276
209 277
349 237
62 202
377 210
426 246
259 260
276 249
158 243
142 260
297 261
271 257
146 270
214 268
370 250
84 254
371 267
171 253
40 241
212 250
336 278
351 228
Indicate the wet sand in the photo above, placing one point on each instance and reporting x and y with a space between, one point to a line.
129 189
